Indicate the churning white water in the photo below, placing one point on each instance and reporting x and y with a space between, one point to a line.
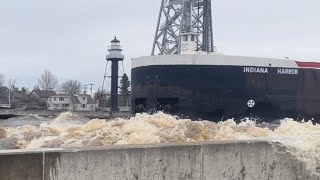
302 139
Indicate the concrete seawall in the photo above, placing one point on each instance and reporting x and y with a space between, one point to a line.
200 161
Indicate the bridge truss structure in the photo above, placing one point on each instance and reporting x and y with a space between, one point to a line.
170 26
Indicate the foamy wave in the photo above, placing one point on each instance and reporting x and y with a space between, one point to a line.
3 133
301 139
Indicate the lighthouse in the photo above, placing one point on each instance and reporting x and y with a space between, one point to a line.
114 57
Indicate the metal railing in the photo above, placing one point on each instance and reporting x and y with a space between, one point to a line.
115 47
115 56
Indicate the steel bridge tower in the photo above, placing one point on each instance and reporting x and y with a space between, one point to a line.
171 24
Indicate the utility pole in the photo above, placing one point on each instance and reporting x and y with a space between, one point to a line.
85 89
10 97
90 87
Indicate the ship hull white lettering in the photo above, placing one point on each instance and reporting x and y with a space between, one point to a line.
288 71
258 70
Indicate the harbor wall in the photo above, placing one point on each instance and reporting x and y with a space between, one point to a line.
200 161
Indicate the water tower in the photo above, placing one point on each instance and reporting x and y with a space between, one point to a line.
114 57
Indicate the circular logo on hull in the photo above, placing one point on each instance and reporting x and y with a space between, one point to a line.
251 103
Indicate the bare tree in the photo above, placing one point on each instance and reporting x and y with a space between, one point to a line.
2 80
71 86
11 83
48 81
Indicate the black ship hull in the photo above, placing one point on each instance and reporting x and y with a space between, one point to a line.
216 92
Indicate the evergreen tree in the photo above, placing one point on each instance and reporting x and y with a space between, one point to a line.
124 85
24 90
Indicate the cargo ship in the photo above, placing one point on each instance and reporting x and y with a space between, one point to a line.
216 87
187 78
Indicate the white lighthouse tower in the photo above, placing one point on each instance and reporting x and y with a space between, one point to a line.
114 56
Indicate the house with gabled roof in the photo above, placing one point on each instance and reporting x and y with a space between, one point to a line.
124 103
84 103
4 97
13 98
71 102
60 102
43 94
39 98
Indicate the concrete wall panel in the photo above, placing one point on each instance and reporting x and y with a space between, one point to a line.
258 160
18 166
177 162
199 161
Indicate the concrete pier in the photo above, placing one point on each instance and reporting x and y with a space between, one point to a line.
200 161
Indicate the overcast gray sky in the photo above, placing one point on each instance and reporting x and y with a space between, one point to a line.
70 37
